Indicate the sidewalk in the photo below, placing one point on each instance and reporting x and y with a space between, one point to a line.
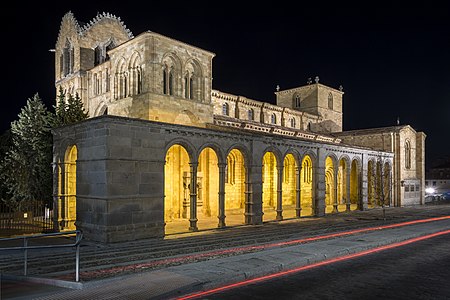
186 278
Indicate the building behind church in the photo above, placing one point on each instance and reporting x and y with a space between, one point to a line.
162 148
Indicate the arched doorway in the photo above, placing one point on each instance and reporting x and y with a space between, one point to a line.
235 189
207 189
270 181
354 186
342 186
329 185
69 211
176 190
306 187
289 187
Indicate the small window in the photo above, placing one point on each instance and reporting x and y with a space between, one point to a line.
426 183
407 155
417 187
434 183
251 114
225 109
407 188
330 101
293 122
97 56
296 101
273 119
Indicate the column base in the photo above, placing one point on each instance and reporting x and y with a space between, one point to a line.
335 208
222 223
298 212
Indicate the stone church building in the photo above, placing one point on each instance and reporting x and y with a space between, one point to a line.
163 150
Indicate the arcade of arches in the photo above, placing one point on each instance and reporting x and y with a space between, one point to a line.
208 193
287 188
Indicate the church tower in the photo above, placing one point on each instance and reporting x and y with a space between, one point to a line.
317 99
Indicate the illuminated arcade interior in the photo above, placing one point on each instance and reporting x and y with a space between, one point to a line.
177 173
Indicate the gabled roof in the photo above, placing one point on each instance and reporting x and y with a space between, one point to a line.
83 27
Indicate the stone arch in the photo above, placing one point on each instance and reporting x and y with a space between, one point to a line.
271 163
331 165
193 80
355 184
177 174
236 173
290 184
216 147
275 151
135 70
67 184
190 149
343 184
243 149
171 67
102 109
121 79
208 186
307 183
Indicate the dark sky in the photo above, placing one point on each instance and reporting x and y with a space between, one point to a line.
392 61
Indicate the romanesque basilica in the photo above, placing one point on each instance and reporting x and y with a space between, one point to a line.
164 152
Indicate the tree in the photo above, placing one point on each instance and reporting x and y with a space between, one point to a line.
5 145
70 111
60 109
26 169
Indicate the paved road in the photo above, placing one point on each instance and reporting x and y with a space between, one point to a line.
416 271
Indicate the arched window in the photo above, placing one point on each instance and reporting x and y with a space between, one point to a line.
108 47
225 109
251 114
293 122
273 119
330 101
296 101
95 88
107 81
171 81
191 87
186 86
97 56
309 127
165 91
407 155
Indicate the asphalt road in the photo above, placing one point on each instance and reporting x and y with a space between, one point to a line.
417 271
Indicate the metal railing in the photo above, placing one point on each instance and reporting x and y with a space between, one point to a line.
26 247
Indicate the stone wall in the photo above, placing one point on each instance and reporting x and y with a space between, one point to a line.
120 170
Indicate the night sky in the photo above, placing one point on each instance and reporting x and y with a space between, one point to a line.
392 61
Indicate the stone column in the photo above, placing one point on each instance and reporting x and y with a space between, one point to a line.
319 184
347 187
364 183
193 197
222 167
298 207
279 192
335 189
253 214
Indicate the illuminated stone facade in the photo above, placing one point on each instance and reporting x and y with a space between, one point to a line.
164 151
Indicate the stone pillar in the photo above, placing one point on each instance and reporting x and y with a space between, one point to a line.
319 184
298 207
193 197
279 192
364 183
335 189
347 187
222 174
253 214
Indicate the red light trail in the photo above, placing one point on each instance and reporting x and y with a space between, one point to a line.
311 266
187 258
